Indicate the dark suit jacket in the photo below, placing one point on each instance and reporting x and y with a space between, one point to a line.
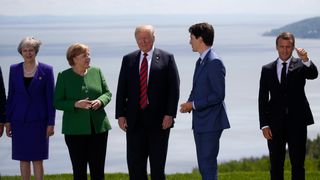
34 104
274 104
2 100
208 94
163 88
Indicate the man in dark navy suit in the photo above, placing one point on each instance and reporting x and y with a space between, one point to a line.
206 100
146 104
284 110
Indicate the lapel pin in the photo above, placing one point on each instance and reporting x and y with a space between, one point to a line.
291 66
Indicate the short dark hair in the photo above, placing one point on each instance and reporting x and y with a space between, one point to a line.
287 36
203 30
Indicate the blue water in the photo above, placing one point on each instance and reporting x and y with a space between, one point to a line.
238 42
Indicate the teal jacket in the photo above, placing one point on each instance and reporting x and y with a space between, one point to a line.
71 87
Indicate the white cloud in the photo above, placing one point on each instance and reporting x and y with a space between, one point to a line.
102 7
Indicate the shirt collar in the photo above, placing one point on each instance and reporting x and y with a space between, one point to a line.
280 61
204 53
149 53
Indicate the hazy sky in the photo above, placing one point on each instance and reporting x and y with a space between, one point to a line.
103 7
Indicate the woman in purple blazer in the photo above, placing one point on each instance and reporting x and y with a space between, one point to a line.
30 112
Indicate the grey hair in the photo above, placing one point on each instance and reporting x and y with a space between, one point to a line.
29 41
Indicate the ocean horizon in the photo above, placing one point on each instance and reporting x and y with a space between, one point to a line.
239 42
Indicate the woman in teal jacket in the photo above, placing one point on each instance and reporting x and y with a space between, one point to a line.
82 93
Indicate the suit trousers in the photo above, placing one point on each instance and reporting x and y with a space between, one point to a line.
144 142
87 149
207 145
296 138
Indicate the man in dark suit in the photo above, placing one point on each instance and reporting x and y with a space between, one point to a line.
2 104
284 110
146 104
206 100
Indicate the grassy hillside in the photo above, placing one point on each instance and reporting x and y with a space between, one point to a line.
305 29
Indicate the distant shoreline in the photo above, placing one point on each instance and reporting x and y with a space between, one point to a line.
305 29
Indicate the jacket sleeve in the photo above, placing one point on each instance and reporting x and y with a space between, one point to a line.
11 93
263 100
105 97
174 88
50 95
121 96
60 102
311 72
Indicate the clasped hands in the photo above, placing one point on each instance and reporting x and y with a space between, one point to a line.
186 107
87 104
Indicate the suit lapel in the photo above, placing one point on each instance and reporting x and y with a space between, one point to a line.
20 78
136 67
197 71
154 63
200 67
274 73
294 63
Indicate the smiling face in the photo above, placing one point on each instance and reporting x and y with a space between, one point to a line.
29 54
29 48
285 48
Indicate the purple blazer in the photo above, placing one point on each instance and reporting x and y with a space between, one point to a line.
35 103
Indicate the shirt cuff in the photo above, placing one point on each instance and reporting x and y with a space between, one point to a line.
264 127
308 63
193 106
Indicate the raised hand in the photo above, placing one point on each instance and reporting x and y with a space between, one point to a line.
302 53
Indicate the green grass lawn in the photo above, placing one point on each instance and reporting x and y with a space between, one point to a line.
185 176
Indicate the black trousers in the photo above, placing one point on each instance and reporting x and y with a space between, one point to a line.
142 143
296 138
87 149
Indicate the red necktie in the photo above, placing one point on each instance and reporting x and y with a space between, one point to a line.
144 82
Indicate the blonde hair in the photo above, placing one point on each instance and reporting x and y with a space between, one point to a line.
141 28
75 50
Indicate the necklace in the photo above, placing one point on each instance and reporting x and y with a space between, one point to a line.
31 72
